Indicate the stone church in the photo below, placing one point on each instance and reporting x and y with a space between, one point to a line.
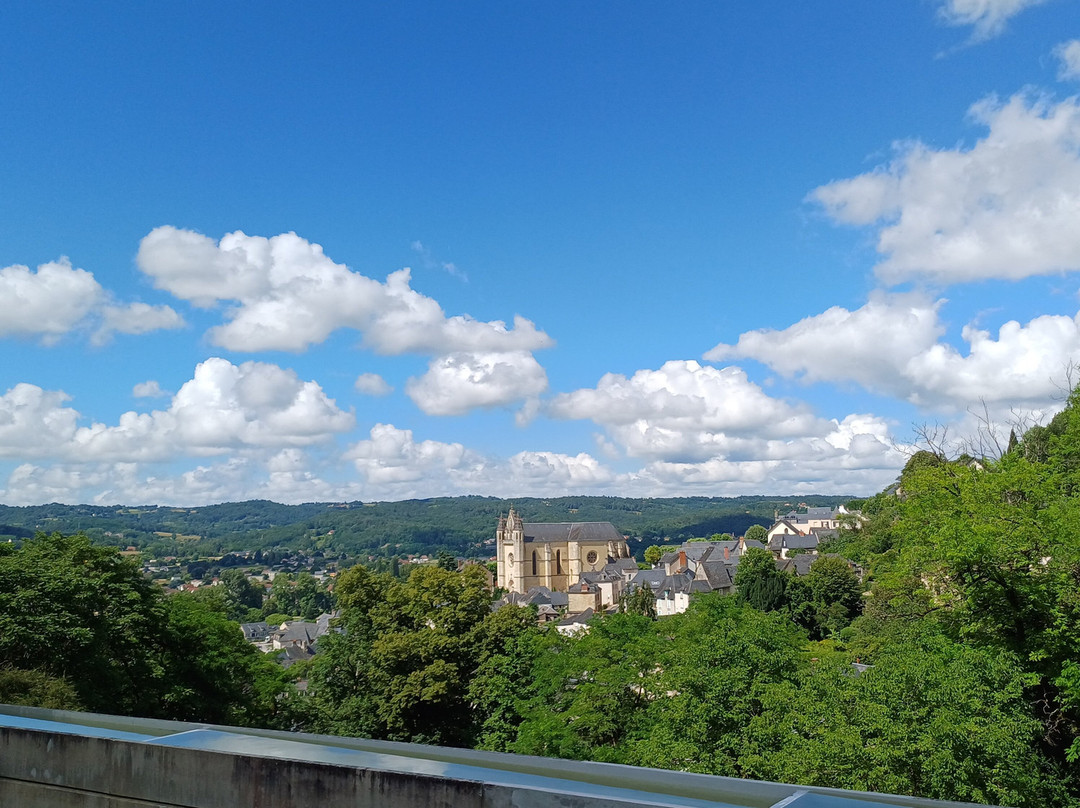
553 554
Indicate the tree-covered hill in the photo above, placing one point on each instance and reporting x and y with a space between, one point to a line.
461 525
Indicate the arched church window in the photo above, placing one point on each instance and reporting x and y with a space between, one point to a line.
558 562
534 562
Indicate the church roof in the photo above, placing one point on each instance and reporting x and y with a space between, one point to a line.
570 531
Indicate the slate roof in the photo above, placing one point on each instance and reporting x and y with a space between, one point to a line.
679 583
297 631
292 653
798 564
538 595
583 587
255 631
808 542
577 619
718 574
603 575
571 531
649 578
624 566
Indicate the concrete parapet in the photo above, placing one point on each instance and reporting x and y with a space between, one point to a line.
52 759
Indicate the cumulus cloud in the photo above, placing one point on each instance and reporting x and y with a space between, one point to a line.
457 383
1068 54
372 384
149 389
684 410
712 430
289 295
987 17
390 458
58 298
1005 208
47 303
892 346
135 318
35 422
392 464
223 407
866 345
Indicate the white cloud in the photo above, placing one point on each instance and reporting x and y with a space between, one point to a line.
988 17
290 296
58 298
713 431
869 345
235 479
149 389
390 464
551 471
49 302
1068 54
684 411
457 383
892 346
135 318
223 407
35 422
389 459
1007 207
393 465
372 384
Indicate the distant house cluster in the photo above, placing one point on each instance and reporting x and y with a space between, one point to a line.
294 640
803 532
572 571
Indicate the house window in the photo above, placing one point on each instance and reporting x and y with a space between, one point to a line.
558 562
534 562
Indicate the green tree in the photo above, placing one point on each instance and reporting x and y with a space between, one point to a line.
401 668
932 718
503 684
653 554
710 682
213 674
758 582
639 600
244 594
87 615
835 593
37 689
756 533
592 690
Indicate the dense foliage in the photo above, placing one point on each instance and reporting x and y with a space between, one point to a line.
80 626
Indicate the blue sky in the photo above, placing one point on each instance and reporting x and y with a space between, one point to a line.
652 250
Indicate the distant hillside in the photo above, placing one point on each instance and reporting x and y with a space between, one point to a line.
459 524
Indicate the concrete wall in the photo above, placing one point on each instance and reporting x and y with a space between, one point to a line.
56 759
48 770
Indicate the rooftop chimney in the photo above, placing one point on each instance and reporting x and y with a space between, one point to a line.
682 559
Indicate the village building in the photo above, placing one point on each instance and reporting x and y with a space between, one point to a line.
796 533
553 554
